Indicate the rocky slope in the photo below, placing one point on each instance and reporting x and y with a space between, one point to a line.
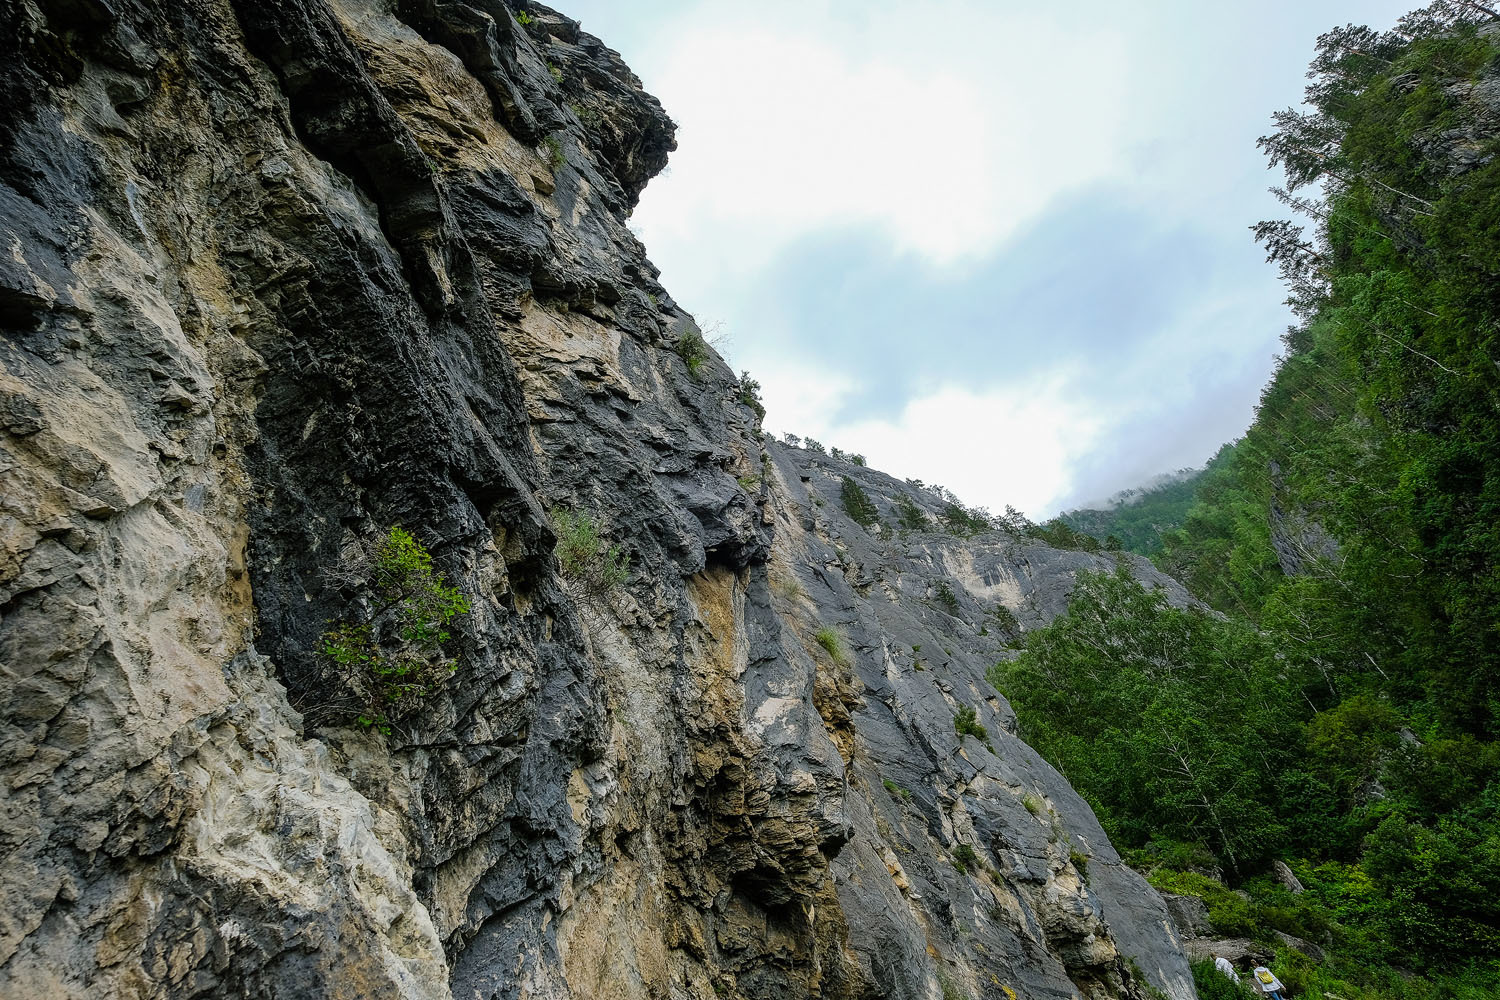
282 273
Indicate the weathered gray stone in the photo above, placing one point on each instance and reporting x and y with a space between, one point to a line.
282 273
1189 915
1286 877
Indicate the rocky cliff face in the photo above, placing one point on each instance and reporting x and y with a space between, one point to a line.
281 273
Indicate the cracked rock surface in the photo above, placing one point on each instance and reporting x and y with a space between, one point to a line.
279 274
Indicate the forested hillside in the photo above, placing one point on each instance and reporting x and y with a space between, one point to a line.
1341 713
1137 520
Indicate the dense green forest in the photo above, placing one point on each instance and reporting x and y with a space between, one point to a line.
1340 707
1137 520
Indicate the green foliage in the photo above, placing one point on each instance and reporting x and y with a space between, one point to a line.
590 117
1005 618
788 587
1059 534
1033 804
594 566
749 395
1442 883
857 504
1135 520
946 597
833 643
555 157
909 515
1214 985
966 860
966 723
896 790
394 658
556 72
692 349
1357 522
1230 913
1159 715
1081 862
749 484
950 991
815 446
524 19
962 521
858 460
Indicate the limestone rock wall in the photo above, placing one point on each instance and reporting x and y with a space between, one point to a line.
281 273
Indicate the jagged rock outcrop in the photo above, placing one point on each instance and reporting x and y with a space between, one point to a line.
282 273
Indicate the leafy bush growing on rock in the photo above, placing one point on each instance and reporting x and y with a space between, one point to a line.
597 568
394 657
966 723
555 157
788 587
692 349
947 598
749 394
1062 535
962 521
909 515
1214 985
813 445
857 504
950 991
1005 618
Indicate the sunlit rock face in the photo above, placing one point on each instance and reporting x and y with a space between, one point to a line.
281 273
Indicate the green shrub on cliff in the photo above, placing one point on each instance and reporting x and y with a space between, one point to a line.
555 157
585 558
394 657
910 516
749 395
857 504
947 598
966 723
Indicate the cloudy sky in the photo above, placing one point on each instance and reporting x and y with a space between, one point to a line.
999 246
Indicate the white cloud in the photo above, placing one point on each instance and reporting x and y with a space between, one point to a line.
942 129
794 123
1013 444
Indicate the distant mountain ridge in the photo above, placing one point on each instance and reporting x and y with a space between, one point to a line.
1138 518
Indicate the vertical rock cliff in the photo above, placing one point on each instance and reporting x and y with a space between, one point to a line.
279 274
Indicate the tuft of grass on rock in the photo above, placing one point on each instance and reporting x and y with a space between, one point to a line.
833 644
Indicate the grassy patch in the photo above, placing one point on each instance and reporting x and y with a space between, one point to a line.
904 794
584 555
833 643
